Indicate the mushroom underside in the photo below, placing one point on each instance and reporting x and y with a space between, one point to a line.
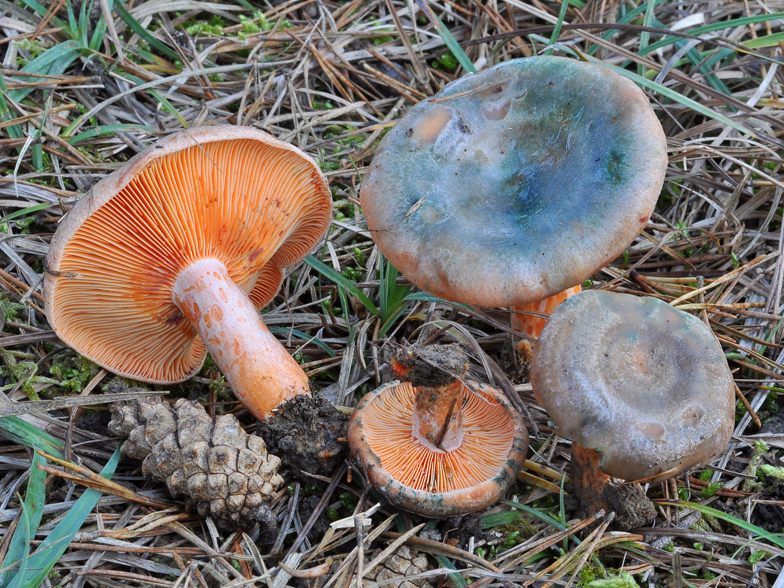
428 480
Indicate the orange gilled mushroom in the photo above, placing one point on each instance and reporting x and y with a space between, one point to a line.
171 256
433 445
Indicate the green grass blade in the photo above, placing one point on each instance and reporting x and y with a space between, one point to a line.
84 21
50 550
538 514
390 322
108 130
26 211
72 19
137 28
41 10
458 579
331 274
14 131
775 538
24 529
24 433
628 17
558 25
681 99
32 511
645 36
447 37
425 297
766 41
304 337
53 61
717 26
510 517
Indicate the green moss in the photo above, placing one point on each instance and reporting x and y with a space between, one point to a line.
622 580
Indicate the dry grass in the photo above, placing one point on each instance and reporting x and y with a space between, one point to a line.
331 77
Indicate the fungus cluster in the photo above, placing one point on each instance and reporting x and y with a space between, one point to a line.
509 188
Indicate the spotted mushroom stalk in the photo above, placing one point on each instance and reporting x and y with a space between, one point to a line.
642 390
437 444
172 255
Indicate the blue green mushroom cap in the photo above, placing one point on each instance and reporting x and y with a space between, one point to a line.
514 184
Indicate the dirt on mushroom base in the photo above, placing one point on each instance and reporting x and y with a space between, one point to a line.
305 434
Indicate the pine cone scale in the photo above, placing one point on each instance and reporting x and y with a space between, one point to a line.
226 472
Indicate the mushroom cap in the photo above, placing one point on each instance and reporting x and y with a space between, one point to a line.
516 183
644 384
234 194
433 482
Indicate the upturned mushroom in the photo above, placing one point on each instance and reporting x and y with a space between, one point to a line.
517 183
436 444
641 389
172 255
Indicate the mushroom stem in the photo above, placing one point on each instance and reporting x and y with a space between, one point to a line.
533 325
597 491
437 421
258 368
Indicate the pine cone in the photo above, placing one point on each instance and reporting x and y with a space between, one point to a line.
402 563
226 472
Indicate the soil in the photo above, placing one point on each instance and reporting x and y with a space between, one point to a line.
432 366
94 421
305 434
463 528
770 516
631 506
306 507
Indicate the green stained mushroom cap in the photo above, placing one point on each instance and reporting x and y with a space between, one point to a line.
514 184
644 384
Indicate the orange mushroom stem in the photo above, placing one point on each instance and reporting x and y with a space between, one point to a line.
437 445
532 325
437 420
259 369
597 491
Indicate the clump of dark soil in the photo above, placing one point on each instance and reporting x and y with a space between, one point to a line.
305 434
463 528
306 507
94 421
431 366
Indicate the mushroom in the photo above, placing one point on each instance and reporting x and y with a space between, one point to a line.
172 255
642 390
436 444
517 183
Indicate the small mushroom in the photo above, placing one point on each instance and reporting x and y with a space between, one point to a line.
642 390
517 183
172 255
433 444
